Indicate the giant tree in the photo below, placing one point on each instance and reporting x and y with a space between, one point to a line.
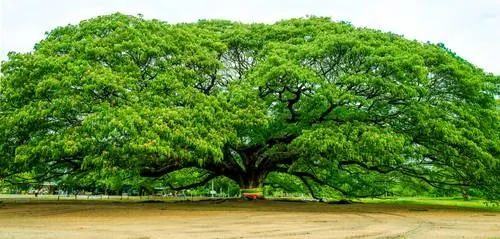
351 108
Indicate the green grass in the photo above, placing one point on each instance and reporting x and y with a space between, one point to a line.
452 202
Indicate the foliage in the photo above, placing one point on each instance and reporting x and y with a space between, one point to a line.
354 109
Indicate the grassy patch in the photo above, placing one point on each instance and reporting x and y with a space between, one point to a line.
452 202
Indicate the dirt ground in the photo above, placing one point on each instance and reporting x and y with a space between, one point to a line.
241 219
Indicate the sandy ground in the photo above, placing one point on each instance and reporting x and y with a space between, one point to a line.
241 219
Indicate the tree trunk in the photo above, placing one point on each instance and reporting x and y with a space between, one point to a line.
251 185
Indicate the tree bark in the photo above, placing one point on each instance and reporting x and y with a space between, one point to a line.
251 185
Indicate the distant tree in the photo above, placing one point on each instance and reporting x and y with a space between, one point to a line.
351 108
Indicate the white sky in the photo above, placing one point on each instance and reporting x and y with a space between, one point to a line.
470 28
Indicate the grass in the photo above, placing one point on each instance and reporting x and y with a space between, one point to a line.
451 202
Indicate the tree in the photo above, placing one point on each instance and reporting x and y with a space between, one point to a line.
351 108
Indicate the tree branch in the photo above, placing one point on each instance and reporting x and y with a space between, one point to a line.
384 169
318 181
311 191
286 139
161 168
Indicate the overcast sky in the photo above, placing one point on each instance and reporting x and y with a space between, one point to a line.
470 28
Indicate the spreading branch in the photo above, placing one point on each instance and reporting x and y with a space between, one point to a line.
311 191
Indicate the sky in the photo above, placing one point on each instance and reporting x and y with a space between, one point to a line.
470 28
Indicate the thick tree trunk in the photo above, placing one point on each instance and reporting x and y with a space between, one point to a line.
251 185
250 177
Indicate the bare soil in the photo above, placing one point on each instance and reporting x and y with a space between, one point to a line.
241 219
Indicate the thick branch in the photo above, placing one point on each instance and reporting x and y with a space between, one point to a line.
311 191
258 149
381 169
436 184
272 162
286 139
291 102
327 112
315 179
164 167
318 181
384 169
